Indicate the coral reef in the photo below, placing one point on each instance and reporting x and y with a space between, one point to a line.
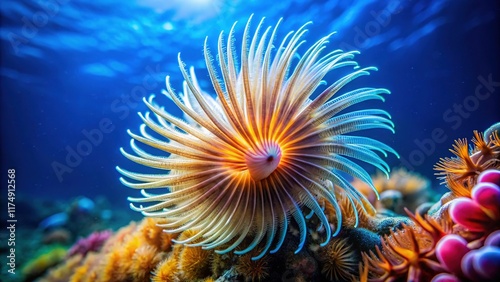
130 254
456 240
254 184
34 237
408 253
143 252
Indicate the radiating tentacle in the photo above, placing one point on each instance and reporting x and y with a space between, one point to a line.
266 145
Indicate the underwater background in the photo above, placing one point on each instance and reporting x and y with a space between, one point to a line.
73 75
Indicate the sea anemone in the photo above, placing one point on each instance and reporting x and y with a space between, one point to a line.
243 163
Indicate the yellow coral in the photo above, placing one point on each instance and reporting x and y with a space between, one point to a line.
194 262
113 266
137 253
64 271
86 272
144 261
166 271
155 235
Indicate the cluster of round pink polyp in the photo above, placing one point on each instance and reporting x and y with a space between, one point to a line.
481 214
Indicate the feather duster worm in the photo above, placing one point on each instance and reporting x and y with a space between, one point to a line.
243 164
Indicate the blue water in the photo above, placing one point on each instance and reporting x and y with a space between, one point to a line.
73 73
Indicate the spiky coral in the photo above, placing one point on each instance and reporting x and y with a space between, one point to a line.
220 263
409 253
194 263
129 255
253 270
338 260
144 261
166 271
87 272
461 172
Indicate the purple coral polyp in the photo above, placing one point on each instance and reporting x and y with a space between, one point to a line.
476 265
482 264
92 243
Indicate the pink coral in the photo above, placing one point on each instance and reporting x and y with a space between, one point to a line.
478 260
450 250
481 212
489 176
92 243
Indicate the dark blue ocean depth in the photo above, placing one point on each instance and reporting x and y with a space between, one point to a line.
73 74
